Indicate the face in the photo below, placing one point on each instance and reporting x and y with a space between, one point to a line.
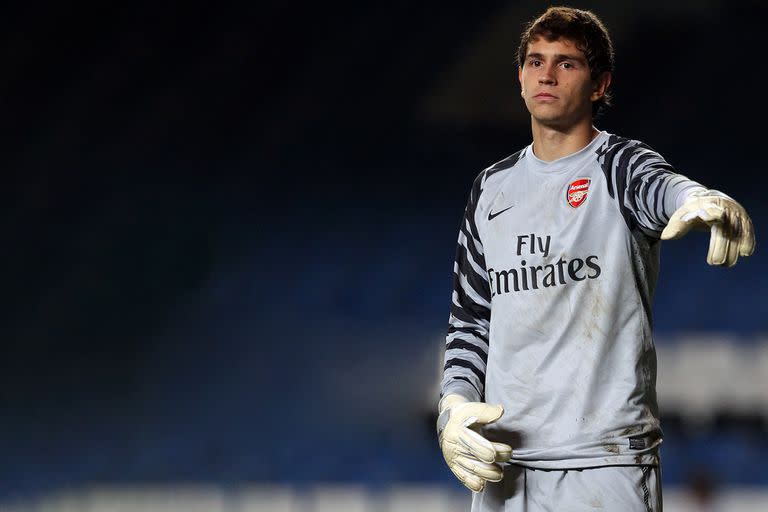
556 84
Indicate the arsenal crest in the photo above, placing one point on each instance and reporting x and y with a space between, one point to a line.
577 192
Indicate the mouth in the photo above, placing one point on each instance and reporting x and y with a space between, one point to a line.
545 96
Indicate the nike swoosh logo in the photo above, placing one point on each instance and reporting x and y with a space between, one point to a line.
492 215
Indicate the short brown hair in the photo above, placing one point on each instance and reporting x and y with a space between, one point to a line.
585 30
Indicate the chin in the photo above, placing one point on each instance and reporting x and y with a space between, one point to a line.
551 121
556 120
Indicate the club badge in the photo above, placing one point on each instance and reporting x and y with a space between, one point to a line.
577 192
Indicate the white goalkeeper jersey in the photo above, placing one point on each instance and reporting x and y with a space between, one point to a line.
551 313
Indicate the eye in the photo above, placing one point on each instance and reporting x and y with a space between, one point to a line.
567 65
535 63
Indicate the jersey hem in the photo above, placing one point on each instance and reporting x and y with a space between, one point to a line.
649 459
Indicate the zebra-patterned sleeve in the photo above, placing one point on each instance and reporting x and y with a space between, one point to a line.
466 349
646 188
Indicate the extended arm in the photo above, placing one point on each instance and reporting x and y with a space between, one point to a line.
661 203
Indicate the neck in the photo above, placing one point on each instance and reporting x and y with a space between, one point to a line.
551 143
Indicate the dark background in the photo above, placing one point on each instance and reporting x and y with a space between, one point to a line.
228 230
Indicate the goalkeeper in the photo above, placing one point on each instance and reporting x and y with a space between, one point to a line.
548 397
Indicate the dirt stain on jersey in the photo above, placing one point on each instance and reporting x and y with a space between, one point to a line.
595 311
630 430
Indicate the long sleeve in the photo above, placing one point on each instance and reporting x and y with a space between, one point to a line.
646 188
466 350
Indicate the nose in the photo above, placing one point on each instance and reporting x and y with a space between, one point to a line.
546 77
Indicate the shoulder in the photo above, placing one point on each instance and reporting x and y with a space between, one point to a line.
505 164
496 171
622 153
616 144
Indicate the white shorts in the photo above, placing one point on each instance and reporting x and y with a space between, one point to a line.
605 488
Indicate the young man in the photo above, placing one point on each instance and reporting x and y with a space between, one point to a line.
548 394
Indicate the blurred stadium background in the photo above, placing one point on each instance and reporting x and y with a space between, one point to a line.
228 235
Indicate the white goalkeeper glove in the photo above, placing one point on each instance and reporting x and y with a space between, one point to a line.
470 456
732 234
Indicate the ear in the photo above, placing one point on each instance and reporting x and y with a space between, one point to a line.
520 76
600 85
